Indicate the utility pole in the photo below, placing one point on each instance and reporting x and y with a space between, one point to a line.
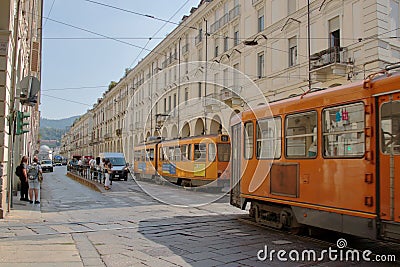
205 79
309 44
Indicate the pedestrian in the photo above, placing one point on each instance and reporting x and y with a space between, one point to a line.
23 177
108 171
34 170
102 170
98 175
92 164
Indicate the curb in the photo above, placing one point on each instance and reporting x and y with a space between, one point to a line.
93 185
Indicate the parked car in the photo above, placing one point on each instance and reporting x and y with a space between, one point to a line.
47 165
119 165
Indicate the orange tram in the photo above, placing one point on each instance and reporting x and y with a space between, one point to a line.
192 161
328 159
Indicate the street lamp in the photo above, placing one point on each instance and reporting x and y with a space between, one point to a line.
254 42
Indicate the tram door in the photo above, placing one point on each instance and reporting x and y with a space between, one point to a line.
389 155
236 162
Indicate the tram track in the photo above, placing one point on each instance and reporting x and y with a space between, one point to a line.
330 239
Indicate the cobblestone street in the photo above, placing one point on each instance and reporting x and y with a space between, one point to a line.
76 226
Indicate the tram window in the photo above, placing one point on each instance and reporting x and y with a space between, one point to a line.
199 152
142 155
211 152
248 140
184 153
224 152
177 154
189 153
268 144
301 135
161 154
171 153
150 154
390 127
343 131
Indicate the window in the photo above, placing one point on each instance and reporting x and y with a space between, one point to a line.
268 145
161 155
301 135
165 105
226 43
174 100
150 154
394 17
292 51
199 90
334 32
216 50
186 96
186 152
199 152
177 153
235 77
211 152
236 35
171 153
390 127
260 65
291 6
343 131
169 103
260 20
248 140
224 152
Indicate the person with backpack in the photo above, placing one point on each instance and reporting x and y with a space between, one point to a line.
23 177
34 170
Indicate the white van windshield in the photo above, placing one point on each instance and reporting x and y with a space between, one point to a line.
117 161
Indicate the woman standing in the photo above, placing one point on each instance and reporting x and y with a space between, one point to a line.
24 179
108 171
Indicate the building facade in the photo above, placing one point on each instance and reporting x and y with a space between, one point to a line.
199 76
20 57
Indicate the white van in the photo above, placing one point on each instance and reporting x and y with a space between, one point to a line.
119 166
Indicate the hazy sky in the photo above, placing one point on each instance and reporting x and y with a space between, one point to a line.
71 61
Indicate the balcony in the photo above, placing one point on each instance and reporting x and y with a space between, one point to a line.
160 119
329 63
212 103
107 136
230 98
234 13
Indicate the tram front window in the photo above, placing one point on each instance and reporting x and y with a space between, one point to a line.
224 152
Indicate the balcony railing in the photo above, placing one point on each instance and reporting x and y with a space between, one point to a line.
234 12
329 56
255 2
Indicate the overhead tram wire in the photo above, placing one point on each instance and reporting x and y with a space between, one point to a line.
150 50
67 100
140 14
74 88
48 14
102 35
154 35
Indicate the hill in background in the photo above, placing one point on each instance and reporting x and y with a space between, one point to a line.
57 124
54 129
